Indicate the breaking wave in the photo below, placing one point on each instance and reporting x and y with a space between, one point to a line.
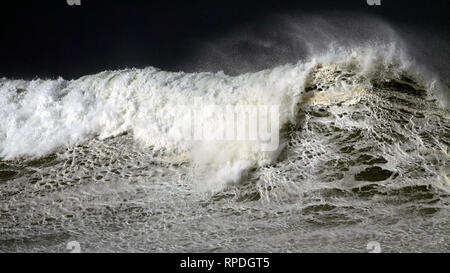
363 155
41 116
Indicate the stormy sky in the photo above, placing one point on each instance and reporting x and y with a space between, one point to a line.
50 38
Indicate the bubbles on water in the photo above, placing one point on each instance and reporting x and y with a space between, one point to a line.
362 160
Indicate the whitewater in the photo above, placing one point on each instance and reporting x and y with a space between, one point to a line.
363 156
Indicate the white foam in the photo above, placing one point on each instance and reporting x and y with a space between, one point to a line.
41 116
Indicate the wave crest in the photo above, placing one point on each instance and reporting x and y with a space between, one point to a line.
41 116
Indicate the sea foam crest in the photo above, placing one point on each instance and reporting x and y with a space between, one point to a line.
40 116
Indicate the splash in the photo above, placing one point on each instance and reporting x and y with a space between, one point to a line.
42 116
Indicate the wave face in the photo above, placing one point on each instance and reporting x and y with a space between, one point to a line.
364 136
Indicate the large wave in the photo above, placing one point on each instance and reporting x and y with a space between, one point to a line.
41 116
363 149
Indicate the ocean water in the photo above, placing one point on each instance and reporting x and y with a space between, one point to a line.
363 156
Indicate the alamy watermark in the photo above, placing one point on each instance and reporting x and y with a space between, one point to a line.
369 2
73 2
374 2
259 124
374 247
74 247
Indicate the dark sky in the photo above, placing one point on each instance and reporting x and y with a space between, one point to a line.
50 38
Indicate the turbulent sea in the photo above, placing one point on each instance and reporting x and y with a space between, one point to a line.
364 156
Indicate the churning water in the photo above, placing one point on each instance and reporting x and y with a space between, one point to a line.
364 156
